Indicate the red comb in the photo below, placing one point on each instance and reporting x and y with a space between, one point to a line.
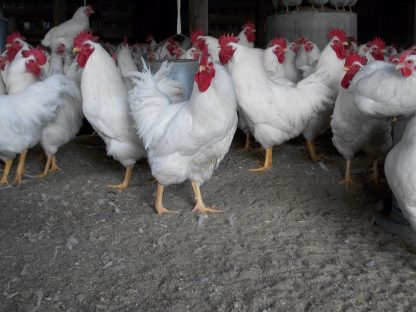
301 40
226 39
279 41
354 57
13 36
339 33
378 42
84 36
195 34
249 25
406 54
37 53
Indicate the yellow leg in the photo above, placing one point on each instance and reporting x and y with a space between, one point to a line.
247 146
347 180
200 206
4 179
297 8
159 200
47 167
126 181
322 6
268 161
54 165
350 9
20 168
374 178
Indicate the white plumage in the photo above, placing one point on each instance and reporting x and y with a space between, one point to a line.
23 116
276 113
289 3
354 131
66 32
186 140
380 90
106 107
69 117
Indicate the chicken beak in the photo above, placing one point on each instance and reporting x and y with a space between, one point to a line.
9 45
284 50
201 68
346 68
76 50
399 66
345 43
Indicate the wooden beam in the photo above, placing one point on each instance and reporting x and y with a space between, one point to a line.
198 15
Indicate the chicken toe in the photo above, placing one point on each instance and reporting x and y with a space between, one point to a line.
4 179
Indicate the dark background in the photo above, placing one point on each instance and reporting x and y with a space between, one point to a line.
392 20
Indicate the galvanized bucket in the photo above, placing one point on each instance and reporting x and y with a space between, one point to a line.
181 70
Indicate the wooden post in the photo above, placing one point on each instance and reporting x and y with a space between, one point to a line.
59 11
198 15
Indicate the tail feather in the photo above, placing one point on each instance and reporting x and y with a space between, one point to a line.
148 107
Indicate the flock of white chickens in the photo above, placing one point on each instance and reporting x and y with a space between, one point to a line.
273 94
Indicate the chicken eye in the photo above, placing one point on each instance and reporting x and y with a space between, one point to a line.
336 41
409 62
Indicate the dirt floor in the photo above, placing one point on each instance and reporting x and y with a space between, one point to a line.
292 239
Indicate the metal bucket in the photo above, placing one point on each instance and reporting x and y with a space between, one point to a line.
3 34
181 70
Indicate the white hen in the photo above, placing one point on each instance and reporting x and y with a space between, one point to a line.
23 116
189 139
382 91
276 113
66 32
68 121
105 104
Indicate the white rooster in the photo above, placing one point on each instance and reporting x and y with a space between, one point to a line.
246 37
353 130
276 113
69 116
22 117
105 104
385 90
66 32
330 61
189 139
279 60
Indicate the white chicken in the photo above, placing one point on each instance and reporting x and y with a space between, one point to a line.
338 3
290 3
69 116
331 61
353 130
105 104
25 70
375 51
318 3
66 32
276 113
189 139
279 60
22 117
15 44
247 36
385 90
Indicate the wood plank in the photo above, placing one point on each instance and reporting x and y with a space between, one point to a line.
198 15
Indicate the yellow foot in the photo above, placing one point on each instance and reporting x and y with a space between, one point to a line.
201 208
161 210
42 175
318 157
4 181
119 187
262 169
17 180
347 182
153 181
54 168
